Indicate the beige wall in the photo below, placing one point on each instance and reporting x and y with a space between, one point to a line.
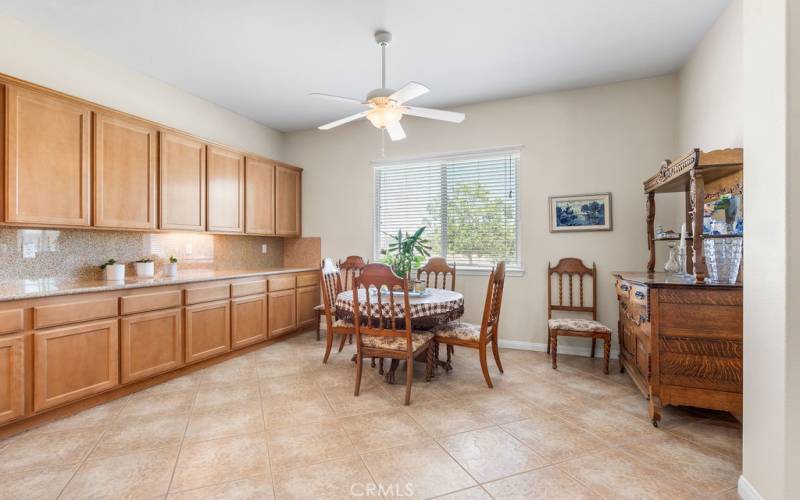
607 138
34 56
710 87
771 358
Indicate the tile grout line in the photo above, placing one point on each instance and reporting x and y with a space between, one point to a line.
183 438
266 439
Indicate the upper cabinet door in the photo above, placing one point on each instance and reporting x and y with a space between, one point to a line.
182 185
124 172
287 201
225 190
48 162
259 197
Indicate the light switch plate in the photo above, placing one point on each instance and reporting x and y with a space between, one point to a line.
188 249
264 248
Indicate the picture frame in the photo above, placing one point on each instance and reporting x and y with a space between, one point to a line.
581 212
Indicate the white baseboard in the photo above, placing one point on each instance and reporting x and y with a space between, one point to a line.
563 349
746 490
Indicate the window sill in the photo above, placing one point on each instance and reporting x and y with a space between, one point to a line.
466 271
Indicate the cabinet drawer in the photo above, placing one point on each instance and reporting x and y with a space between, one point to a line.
248 288
207 293
307 279
11 321
281 283
74 312
73 362
150 302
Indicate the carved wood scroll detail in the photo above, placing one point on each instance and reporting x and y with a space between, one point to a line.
669 170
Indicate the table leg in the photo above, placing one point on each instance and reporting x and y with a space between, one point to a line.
391 372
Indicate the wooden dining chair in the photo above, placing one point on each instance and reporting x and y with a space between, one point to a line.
438 268
331 282
479 336
379 332
350 268
572 268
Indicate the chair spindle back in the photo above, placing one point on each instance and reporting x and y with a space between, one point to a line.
438 268
386 323
494 300
572 269
350 268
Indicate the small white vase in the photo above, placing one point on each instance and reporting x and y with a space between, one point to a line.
171 269
115 272
145 269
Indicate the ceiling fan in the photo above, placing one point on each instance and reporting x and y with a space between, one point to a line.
387 106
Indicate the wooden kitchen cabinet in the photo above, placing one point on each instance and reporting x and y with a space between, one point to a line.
287 201
226 194
73 362
282 312
308 297
12 377
207 330
48 159
248 320
150 343
182 185
125 156
259 196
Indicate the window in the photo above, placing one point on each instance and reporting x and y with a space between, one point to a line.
468 204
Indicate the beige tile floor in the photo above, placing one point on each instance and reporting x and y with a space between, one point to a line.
276 423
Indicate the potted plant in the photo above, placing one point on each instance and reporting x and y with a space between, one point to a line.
171 266
114 271
145 267
406 252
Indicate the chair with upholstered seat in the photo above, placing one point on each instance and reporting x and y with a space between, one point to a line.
457 333
572 268
435 273
379 332
330 279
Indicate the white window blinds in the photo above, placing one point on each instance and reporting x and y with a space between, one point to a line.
468 204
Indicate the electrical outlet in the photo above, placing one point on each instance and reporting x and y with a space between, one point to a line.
264 248
188 249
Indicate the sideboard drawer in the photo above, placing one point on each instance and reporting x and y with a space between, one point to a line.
307 279
207 293
143 302
11 321
282 283
252 287
74 312
701 363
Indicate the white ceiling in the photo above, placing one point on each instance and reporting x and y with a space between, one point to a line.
261 58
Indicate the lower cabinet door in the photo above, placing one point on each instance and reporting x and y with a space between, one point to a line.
150 344
207 330
282 312
248 320
307 299
12 377
73 362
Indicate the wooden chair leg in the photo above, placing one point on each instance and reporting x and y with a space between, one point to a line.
485 365
328 345
319 319
429 363
554 349
496 352
380 366
359 366
549 336
341 344
606 353
409 379
594 344
350 339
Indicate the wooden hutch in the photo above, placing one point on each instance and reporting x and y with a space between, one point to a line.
681 339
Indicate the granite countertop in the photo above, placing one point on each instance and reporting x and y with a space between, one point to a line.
47 287
665 280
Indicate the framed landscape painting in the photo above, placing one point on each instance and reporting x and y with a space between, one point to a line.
585 212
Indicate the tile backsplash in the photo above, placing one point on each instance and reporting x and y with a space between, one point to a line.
75 253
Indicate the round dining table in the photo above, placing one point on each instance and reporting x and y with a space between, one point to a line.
427 310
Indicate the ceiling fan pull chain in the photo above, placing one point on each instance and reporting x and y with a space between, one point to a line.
383 142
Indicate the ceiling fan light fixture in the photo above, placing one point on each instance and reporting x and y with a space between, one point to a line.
384 116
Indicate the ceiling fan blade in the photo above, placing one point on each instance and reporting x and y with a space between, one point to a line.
408 92
435 114
396 132
342 121
337 98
